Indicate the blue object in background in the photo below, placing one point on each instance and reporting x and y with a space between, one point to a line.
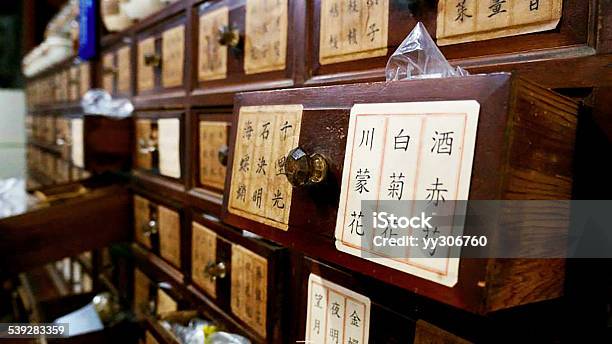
87 28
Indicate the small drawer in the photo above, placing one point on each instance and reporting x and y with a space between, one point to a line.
109 72
244 276
160 55
347 153
84 77
158 143
158 228
74 83
142 298
212 150
243 45
352 40
117 70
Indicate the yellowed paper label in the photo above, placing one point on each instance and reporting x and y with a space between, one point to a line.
169 235
213 136
259 189
85 77
165 303
76 134
108 72
123 70
265 36
420 151
203 253
461 21
249 288
173 56
141 292
213 56
145 73
353 30
169 138
336 314
144 139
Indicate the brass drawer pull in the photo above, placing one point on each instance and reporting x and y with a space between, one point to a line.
229 35
303 169
215 270
222 155
153 60
150 228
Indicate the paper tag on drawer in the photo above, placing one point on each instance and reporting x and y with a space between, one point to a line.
169 135
203 252
259 189
471 20
123 69
249 298
76 137
335 312
265 46
145 73
213 136
173 53
414 157
169 235
352 30
212 64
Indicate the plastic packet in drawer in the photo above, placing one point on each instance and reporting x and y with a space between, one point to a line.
418 57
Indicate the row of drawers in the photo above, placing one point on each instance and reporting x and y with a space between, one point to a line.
52 168
67 84
65 134
240 45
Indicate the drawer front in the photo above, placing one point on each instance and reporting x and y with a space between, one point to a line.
148 60
173 56
165 303
124 70
146 143
203 255
63 139
77 142
145 220
73 92
109 71
249 276
328 209
370 31
169 235
213 149
169 147
243 44
142 288
85 77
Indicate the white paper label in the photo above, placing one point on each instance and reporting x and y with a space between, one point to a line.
420 151
76 129
169 151
336 314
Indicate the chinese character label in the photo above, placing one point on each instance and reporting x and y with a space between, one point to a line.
249 279
173 52
212 63
352 30
259 189
265 45
213 137
461 21
335 314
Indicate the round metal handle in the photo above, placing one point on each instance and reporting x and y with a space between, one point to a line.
222 155
303 169
152 59
150 228
215 270
229 35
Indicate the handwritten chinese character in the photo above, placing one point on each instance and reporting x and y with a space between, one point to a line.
496 7
280 165
352 36
435 233
248 130
317 326
244 164
362 177
261 164
355 320
372 30
333 41
352 6
286 126
318 299
436 194
401 141
334 10
241 192
396 187
355 224
352 340
277 200
334 335
335 309
257 197
443 142
367 138
266 131
534 5
462 11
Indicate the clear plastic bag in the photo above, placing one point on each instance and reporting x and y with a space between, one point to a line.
418 57
98 102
